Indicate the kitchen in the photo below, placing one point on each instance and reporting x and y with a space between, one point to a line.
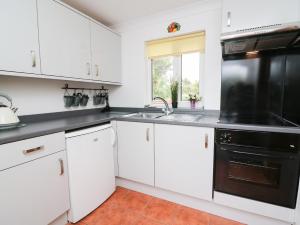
229 156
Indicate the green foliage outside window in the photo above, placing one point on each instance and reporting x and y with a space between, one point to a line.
162 68
163 72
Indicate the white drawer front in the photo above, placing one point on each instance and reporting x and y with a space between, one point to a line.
19 152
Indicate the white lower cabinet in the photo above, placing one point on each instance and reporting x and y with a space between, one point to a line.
34 192
136 151
184 160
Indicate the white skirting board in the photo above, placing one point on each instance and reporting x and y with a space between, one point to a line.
61 220
206 206
252 206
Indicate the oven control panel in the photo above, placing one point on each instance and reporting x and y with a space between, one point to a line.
271 141
225 137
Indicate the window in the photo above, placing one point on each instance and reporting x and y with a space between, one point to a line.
184 65
184 68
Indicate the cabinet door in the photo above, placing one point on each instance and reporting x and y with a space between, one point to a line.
36 192
184 160
64 41
19 36
245 14
106 54
136 151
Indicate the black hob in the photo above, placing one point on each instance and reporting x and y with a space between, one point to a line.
268 120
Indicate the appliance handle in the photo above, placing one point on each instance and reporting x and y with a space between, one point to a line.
113 132
257 154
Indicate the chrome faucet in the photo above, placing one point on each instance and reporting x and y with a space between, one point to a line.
167 109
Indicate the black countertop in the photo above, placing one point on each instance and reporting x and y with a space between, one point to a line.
39 125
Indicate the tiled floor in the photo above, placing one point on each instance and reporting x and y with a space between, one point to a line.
126 207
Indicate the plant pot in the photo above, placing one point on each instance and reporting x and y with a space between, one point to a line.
193 104
174 105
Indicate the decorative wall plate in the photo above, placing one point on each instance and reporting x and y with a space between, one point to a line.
173 27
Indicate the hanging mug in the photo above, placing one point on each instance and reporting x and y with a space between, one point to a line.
84 100
68 99
77 99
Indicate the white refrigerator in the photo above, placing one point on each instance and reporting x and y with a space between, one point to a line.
91 169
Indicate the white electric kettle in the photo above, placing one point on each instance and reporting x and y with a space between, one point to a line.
8 115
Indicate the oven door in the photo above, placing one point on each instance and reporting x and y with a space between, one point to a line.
266 176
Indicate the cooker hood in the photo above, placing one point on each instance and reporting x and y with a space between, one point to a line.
261 38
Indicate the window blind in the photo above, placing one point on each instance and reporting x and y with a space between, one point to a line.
194 42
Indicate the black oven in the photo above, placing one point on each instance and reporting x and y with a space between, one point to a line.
262 166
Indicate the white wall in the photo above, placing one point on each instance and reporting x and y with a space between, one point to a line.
34 96
203 15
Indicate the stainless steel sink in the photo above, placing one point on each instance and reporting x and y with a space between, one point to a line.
182 117
144 115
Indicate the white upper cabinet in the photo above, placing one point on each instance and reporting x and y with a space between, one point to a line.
64 41
184 160
245 14
136 151
106 54
19 46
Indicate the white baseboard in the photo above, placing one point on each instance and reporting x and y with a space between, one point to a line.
206 206
252 206
61 220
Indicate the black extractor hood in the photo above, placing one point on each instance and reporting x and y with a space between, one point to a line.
253 40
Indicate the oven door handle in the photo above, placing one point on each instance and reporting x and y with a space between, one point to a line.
259 154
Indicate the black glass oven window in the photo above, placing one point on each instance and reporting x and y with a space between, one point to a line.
260 173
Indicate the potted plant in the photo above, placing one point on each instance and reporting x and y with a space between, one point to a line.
193 99
174 93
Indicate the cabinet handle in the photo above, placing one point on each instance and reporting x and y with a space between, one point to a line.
147 134
228 19
33 58
97 70
206 141
62 169
28 151
88 67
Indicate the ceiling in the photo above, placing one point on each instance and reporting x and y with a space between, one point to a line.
112 12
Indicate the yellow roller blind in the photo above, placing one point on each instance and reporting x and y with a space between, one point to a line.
194 42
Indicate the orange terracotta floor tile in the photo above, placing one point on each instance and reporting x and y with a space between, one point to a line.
161 210
126 207
191 217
